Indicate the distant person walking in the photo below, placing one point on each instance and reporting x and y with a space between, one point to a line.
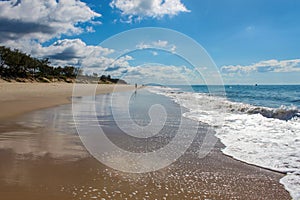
135 86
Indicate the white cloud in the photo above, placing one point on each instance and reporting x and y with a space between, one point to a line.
102 64
157 73
140 9
71 52
77 53
160 44
96 59
265 66
42 20
90 29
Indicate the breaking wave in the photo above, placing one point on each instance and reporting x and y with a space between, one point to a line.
263 136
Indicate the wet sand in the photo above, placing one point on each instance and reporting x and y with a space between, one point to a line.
19 98
42 157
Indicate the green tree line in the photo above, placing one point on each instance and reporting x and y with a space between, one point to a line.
15 64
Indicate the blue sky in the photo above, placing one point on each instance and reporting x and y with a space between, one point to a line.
249 41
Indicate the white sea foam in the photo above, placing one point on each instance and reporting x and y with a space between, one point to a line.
262 136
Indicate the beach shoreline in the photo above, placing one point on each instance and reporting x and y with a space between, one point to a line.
20 98
52 162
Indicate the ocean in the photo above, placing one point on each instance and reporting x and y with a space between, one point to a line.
259 125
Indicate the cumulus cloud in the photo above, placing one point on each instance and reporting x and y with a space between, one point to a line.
70 52
160 44
102 64
157 73
42 20
77 53
265 66
97 59
140 9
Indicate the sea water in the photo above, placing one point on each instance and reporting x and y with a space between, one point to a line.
259 125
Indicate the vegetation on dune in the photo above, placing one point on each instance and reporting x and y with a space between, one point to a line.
18 66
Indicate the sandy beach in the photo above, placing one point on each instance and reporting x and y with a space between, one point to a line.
42 157
149 100
19 98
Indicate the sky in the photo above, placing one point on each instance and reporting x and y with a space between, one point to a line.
239 42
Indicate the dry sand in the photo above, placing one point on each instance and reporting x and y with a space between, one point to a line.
19 98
